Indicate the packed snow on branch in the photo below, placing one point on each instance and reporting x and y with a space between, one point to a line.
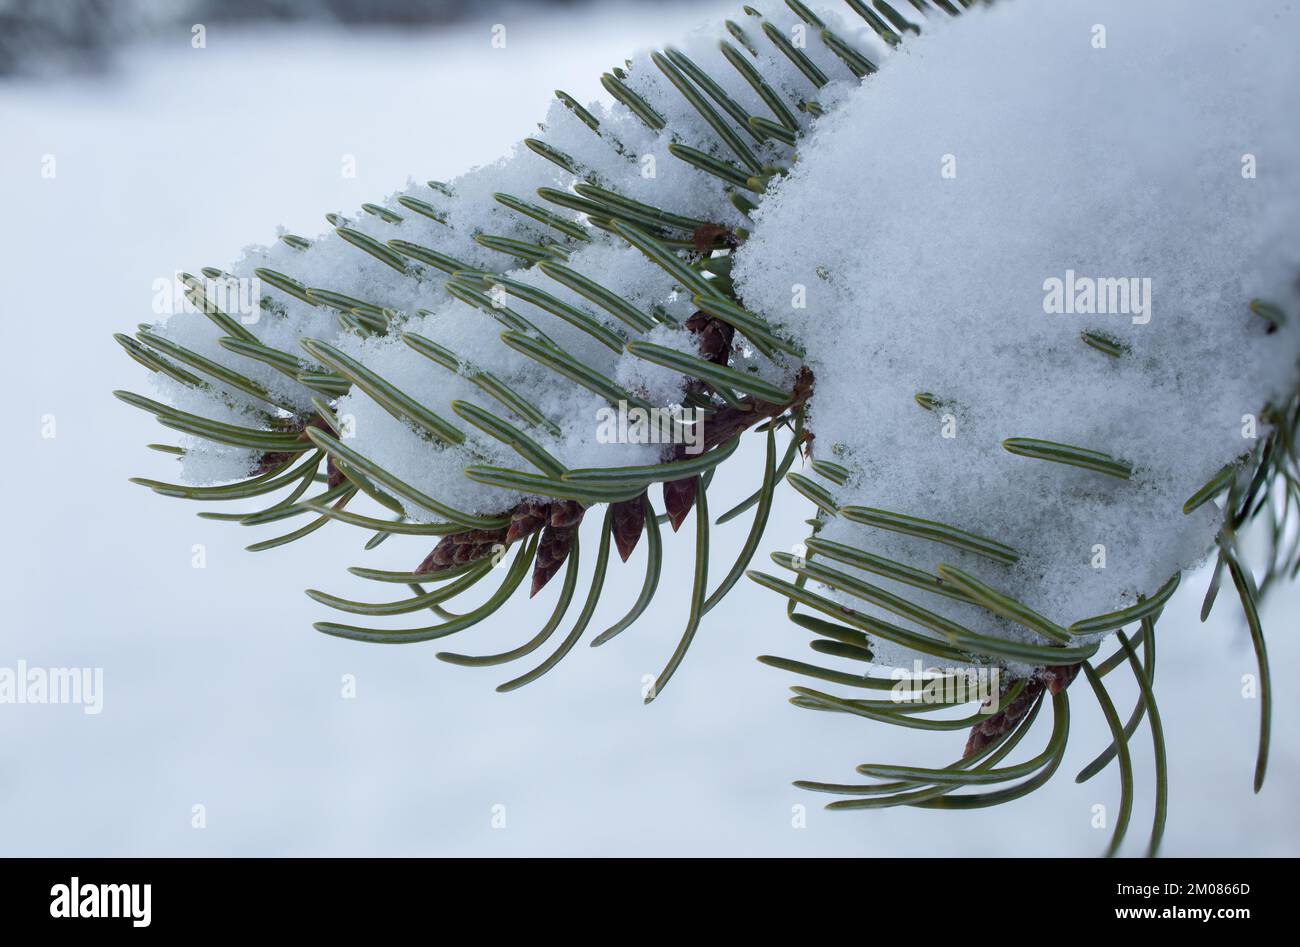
627 157
1021 175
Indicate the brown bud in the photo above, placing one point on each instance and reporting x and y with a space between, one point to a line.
552 550
566 513
1005 720
441 557
1058 678
460 548
713 335
527 518
628 524
713 237
679 497
334 476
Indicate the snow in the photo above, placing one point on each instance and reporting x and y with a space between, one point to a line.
1122 161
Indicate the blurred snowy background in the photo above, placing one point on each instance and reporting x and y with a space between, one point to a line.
218 692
